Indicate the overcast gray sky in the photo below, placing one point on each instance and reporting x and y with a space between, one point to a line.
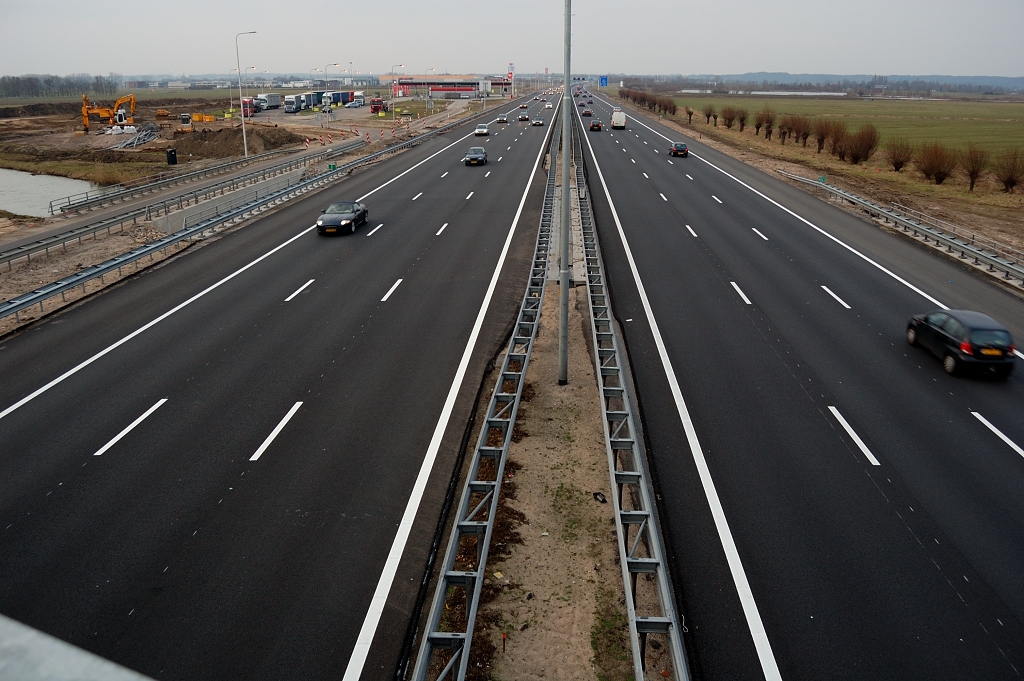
979 37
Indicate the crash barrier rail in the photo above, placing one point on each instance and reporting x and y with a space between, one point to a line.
641 550
999 257
272 199
61 240
94 198
464 564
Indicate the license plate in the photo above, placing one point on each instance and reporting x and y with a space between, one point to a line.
331 229
991 351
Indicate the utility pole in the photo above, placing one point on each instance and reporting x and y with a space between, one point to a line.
238 63
563 273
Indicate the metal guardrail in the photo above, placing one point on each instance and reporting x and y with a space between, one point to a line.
465 561
998 257
641 550
986 243
60 240
62 286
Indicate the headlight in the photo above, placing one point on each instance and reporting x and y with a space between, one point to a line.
345 222
319 223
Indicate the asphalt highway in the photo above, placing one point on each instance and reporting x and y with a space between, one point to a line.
233 465
835 505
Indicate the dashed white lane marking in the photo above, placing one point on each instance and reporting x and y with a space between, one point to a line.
656 151
716 198
417 196
670 162
757 232
623 149
645 141
370 233
688 176
445 173
998 433
856 438
499 158
276 431
691 230
508 149
390 291
645 175
441 230
662 196
633 160
740 291
130 427
840 300
300 289
469 196
487 174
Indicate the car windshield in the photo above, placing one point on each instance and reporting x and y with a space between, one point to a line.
996 337
477 150
342 207
481 127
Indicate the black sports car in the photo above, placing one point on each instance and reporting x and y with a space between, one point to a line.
342 216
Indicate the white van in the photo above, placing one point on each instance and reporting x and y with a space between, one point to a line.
618 120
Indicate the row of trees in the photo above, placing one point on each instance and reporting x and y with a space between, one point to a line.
656 103
937 162
58 86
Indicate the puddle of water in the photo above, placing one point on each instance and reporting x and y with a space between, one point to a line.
27 194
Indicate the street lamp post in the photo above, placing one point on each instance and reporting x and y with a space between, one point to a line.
426 86
238 64
396 66
563 270
246 79
311 77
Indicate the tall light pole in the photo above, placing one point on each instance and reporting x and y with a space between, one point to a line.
326 84
563 273
246 79
396 66
238 64
425 85
311 86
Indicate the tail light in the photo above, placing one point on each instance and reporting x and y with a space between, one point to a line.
1013 349
965 347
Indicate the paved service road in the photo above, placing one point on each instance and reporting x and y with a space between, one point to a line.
205 470
835 505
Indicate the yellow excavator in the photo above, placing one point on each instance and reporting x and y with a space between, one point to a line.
116 115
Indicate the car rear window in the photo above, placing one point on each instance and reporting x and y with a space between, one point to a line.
996 337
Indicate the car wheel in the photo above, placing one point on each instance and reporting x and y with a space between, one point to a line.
950 364
467 163
353 229
912 335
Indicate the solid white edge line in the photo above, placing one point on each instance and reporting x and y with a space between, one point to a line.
417 196
691 230
810 224
299 290
716 198
133 334
370 233
354 669
856 438
769 666
131 426
441 230
740 291
999 433
758 232
390 291
276 431
840 300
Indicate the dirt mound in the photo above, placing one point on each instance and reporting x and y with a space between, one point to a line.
42 109
228 142
55 108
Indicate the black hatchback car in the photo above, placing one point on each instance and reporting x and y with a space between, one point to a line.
342 216
678 149
963 339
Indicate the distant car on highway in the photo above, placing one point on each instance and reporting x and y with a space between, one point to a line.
342 216
476 156
481 129
582 104
587 112
964 340
524 116
537 121
678 149
524 106
595 125
502 118
548 106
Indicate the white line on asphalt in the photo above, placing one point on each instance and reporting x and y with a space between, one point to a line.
370 233
856 438
645 141
662 196
633 160
499 158
645 175
130 427
417 196
487 173
670 162
623 149
469 196
508 149
841 301
276 431
390 291
999 434
656 151
387 577
409 170
441 230
688 176
691 230
757 232
740 291
716 198
445 173
769 666
301 289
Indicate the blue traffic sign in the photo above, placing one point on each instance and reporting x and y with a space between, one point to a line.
603 82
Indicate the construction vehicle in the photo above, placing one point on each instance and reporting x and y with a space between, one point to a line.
185 121
115 115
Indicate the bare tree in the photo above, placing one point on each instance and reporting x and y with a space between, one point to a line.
837 139
974 162
801 128
689 115
899 152
769 122
728 116
937 161
715 116
1009 169
709 111
822 128
741 118
863 144
758 123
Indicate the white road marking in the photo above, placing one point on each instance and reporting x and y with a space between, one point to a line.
380 595
417 196
623 150
370 233
441 230
469 196
276 431
445 173
769 666
716 198
999 433
390 291
656 151
645 141
688 176
740 291
645 175
508 149
670 162
409 170
757 232
841 301
499 158
487 173
301 289
662 196
691 230
633 160
856 438
130 427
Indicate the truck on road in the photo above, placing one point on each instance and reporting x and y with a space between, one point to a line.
269 100
377 105
293 104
